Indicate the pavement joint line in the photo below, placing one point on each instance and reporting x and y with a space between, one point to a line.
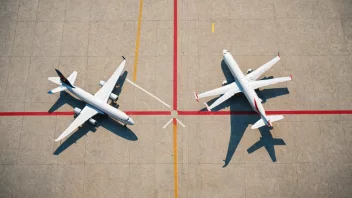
212 27
148 93
137 41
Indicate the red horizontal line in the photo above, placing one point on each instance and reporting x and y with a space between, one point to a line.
216 113
148 112
19 113
284 112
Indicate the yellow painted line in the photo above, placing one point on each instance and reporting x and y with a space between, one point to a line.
137 41
212 27
175 158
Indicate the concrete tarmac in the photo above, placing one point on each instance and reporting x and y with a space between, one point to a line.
218 155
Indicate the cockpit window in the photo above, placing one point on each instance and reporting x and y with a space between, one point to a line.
128 119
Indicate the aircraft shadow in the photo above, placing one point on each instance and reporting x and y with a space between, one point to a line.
103 120
239 123
118 88
66 98
268 142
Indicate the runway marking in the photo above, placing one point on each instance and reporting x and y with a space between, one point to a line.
148 93
180 122
175 157
175 100
214 113
175 57
284 112
69 113
167 123
137 41
212 27
158 113
39 113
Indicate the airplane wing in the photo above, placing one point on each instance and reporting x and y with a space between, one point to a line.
218 91
105 91
223 98
86 113
258 72
262 83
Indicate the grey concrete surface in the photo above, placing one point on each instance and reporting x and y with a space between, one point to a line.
217 156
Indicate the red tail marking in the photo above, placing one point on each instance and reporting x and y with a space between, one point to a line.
196 96
256 106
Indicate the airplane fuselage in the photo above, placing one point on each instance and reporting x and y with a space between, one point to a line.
243 84
101 105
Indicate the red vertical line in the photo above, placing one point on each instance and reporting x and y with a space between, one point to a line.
175 58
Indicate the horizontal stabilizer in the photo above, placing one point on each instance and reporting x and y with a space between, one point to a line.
55 80
270 119
57 89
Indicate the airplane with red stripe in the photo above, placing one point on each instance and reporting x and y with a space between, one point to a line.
246 84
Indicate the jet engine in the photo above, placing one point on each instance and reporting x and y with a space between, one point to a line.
113 97
77 111
101 83
224 83
249 71
92 121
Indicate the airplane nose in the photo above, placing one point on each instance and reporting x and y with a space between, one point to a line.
224 51
130 121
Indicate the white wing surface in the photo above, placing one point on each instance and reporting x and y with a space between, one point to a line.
105 91
218 91
223 98
258 72
86 113
262 83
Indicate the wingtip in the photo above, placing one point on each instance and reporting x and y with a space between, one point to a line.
291 76
278 54
50 92
196 96
123 58
207 107
58 139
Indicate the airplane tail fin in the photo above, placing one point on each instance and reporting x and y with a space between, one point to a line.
269 120
62 80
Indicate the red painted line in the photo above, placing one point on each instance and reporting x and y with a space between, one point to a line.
72 113
309 112
284 112
175 58
36 113
216 113
148 112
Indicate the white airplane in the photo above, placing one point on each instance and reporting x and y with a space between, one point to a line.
247 85
96 103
